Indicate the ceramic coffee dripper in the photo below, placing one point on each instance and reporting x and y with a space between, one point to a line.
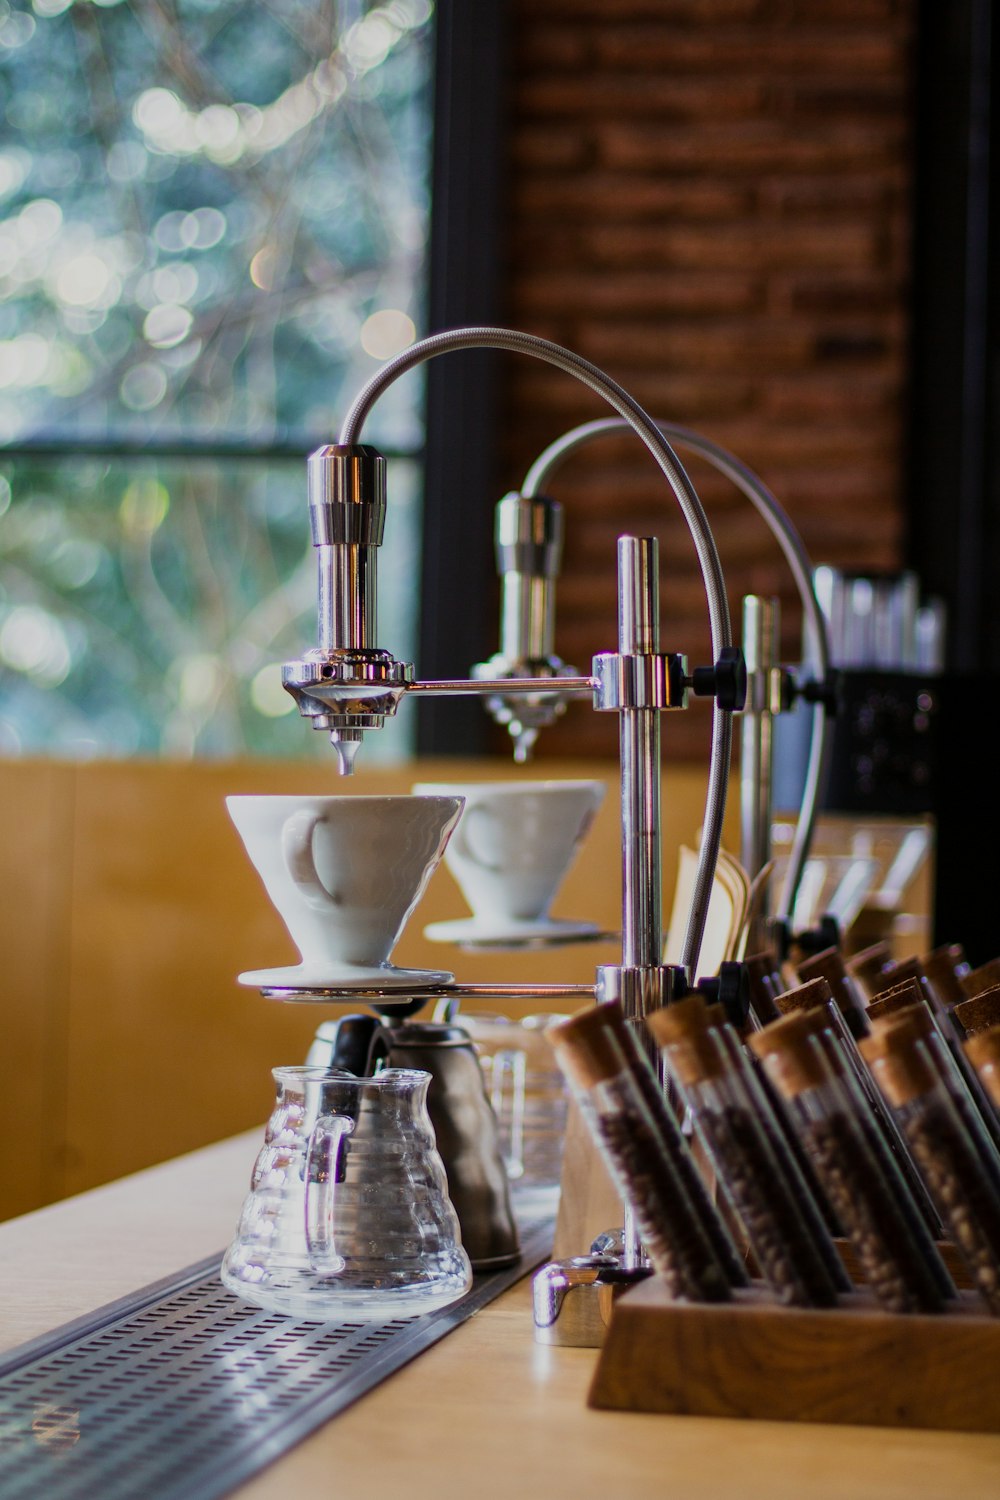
344 874
509 854
348 1215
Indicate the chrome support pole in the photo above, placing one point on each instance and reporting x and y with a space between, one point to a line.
639 741
760 650
639 749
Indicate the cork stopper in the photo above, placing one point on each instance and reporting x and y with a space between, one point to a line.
791 1053
813 995
691 1046
900 997
589 1046
900 1065
979 1013
903 969
715 1014
945 969
912 1018
829 965
868 966
983 1051
987 977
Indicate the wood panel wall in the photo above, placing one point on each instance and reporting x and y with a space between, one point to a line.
127 907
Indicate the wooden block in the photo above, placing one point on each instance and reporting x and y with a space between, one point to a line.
588 1200
749 1358
955 1263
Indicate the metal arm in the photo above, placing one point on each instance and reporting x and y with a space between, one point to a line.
817 650
633 415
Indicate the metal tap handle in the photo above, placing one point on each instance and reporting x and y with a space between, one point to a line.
529 539
346 486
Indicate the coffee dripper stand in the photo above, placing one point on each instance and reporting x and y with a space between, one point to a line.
347 685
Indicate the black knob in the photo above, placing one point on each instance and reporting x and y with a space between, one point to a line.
730 988
726 682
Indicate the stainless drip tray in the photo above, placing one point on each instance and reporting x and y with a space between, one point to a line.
182 1391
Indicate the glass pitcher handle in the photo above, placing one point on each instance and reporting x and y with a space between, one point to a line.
297 851
322 1161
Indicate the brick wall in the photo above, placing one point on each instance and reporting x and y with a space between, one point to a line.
709 199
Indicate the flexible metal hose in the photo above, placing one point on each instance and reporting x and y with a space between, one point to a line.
817 649
636 418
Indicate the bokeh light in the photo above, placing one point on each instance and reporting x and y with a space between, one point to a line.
387 333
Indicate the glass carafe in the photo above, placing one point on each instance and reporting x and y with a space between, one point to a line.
348 1215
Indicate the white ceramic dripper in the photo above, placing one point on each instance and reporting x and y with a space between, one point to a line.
344 873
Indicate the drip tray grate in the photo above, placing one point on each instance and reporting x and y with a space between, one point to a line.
183 1391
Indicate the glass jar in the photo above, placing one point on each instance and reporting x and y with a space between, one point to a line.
979 1013
527 1091
348 1215
639 1046
918 1023
805 1185
867 968
986 977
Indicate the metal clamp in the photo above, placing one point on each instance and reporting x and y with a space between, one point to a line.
638 988
654 681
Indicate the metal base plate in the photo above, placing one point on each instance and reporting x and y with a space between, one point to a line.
182 1392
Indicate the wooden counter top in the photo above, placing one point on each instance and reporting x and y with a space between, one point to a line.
486 1413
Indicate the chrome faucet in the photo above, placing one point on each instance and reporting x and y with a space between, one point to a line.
345 684
529 539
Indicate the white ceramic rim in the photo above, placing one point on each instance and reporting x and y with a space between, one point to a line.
505 788
341 797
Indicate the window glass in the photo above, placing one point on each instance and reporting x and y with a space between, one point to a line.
213 222
146 608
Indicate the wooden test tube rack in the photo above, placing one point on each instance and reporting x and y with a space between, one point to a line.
750 1358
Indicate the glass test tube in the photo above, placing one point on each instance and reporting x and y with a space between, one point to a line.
815 996
895 1254
750 1164
966 1193
598 1066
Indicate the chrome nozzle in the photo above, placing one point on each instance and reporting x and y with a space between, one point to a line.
346 744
